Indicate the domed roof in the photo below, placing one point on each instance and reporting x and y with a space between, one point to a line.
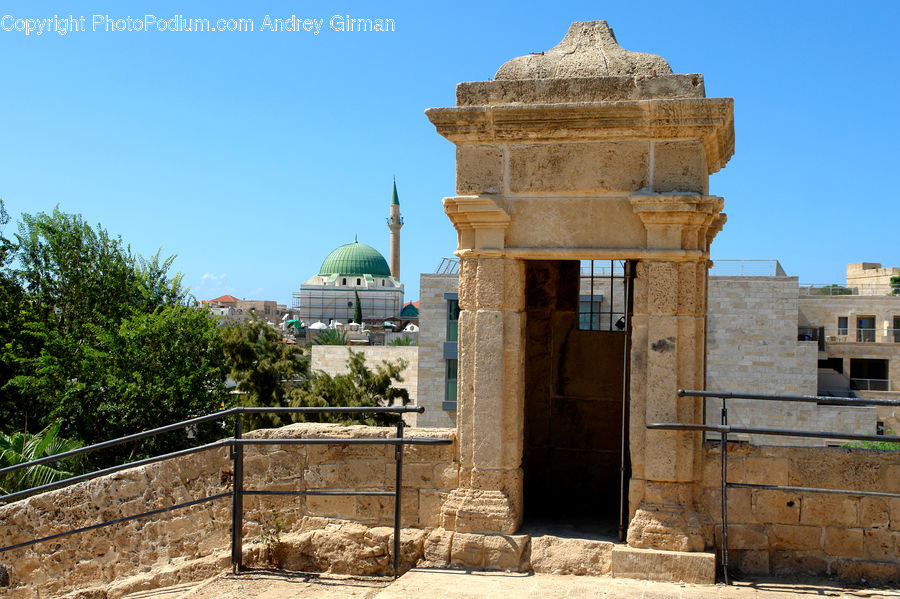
355 259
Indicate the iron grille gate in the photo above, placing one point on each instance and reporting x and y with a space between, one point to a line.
724 429
236 443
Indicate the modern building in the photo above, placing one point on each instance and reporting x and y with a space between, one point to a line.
355 270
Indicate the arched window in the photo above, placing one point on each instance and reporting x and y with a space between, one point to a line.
344 281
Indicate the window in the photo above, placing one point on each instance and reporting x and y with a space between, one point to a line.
897 329
450 385
452 320
842 325
865 329
589 315
343 281
869 374
359 281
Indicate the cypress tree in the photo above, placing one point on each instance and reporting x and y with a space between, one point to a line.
357 311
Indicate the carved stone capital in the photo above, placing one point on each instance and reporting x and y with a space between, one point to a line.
677 221
481 223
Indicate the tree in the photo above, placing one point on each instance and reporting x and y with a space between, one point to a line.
895 285
21 447
357 310
103 335
359 387
13 407
264 367
330 337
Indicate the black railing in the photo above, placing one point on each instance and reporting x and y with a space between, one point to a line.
236 443
724 429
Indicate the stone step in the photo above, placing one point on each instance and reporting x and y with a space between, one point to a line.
351 548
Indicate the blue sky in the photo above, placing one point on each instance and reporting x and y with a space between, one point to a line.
251 155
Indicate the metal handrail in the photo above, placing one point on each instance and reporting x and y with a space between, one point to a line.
725 429
236 443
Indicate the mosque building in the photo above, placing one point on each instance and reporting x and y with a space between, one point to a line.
355 269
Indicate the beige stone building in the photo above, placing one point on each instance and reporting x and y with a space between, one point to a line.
869 278
232 309
584 152
332 359
759 341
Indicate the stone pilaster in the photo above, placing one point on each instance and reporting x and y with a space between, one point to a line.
490 387
667 353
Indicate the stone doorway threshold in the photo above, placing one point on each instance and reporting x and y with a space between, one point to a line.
593 548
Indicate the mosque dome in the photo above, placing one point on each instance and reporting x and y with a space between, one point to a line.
355 259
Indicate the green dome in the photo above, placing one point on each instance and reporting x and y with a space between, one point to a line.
355 259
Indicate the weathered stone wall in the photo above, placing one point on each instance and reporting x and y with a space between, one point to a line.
432 335
868 278
786 532
332 359
752 347
127 549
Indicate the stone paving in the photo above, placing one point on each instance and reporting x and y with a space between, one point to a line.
459 584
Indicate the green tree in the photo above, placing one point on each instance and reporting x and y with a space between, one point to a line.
895 285
330 337
357 310
264 368
832 290
359 387
14 409
103 336
21 447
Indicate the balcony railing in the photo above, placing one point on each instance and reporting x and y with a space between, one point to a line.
813 289
870 384
746 268
842 335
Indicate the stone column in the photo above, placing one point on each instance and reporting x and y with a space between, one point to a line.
668 353
491 335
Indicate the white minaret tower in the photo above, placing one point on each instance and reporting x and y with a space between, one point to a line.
394 223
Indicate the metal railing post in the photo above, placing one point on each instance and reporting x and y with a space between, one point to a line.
237 501
724 491
398 484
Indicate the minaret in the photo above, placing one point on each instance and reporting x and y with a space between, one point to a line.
394 222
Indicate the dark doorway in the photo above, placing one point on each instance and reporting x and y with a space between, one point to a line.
576 368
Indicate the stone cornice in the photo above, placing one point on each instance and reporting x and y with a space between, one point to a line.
710 120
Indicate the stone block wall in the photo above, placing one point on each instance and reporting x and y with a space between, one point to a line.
788 532
752 347
332 359
432 335
139 546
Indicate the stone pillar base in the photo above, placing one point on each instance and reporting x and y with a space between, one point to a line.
671 528
478 510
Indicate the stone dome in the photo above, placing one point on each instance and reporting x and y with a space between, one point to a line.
589 49
355 259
